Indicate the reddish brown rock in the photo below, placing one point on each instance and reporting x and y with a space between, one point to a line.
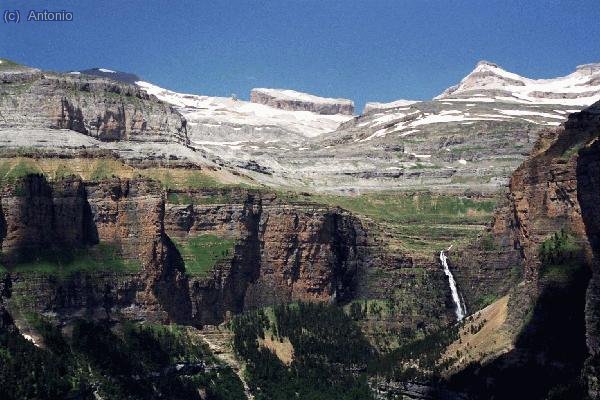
38 216
284 253
303 252
68 215
555 189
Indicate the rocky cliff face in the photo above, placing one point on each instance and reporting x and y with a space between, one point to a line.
283 253
110 233
287 252
97 107
38 216
135 265
542 199
296 101
492 265
588 190
555 190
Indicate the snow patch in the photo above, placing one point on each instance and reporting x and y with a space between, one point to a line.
225 110
30 338
370 106
438 118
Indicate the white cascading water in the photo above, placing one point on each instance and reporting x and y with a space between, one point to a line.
460 308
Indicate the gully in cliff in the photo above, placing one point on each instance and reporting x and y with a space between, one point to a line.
460 308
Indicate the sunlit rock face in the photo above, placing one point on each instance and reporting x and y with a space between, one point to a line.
292 100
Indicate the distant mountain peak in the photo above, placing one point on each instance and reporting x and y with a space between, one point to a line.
488 64
484 66
490 82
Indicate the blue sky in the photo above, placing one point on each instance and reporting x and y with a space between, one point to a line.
362 50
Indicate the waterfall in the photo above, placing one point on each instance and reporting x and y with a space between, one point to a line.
460 308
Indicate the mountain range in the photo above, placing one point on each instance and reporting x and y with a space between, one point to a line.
156 244
474 133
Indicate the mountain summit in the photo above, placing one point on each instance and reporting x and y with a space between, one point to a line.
490 82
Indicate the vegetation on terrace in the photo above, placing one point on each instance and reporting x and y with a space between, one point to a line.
201 253
65 262
96 169
10 172
421 222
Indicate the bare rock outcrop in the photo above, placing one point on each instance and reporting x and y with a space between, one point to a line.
286 252
38 216
555 190
283 253
101 108
588 173
116 222
297 101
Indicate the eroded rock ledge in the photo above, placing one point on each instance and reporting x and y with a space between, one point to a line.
297 101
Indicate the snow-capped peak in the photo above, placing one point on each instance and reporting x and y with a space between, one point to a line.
486 67
485 76
489 82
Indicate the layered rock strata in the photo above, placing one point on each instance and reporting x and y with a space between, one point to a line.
555 190
292 100
101 108
282 253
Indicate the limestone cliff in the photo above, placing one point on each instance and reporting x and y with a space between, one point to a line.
98 107
89 249
114 249
555 192
38 216
588 191
283 253
296 101
286 252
